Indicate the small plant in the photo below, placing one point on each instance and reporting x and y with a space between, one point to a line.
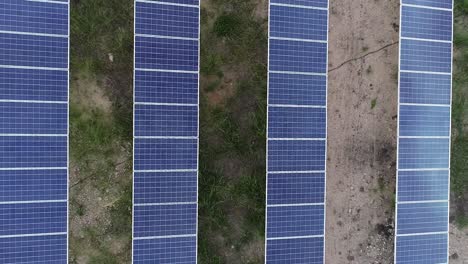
227 25
373 103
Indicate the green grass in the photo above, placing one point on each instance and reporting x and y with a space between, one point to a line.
100 138
233 39
459 151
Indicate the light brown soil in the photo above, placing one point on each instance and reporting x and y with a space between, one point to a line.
361 140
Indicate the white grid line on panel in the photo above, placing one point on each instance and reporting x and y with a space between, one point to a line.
294 172
164 70
426 72
164 37
297 106
165 104
33 34
297 139
427 7
294 237
32 101
163 137
298 73
34 235
33 168
49 1
422 234
32 68
159 237
299 6
434 105
299 204
429 40
424 201
299 39
426 137
424 169
34 201
33 135
166 3
152 204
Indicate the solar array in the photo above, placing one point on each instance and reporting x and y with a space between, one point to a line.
423 176
297 121
166 131
34 41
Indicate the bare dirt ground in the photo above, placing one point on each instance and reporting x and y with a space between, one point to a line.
362 107
362 122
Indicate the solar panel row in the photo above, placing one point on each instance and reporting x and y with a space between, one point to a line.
424 132
34 37
165 131
296 151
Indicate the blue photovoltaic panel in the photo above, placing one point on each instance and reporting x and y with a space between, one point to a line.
165 187
422 217
35 249
299 251
164 220
423 166
421 249
165 154
296 155
297 89
296 188
33 17
426 56
34 47
423 153
290 22
167 20
33 84
297 121
423 88
426 23
417 120
166 87
166 131
181 250
423 185
28 118
36 51
166 120
295 221
29 185
166 54
296 56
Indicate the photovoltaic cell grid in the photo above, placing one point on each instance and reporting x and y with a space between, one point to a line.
166 131
424 132
297 114
34 41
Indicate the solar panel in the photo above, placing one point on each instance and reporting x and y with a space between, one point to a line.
166 131
34 47
297 131
423 169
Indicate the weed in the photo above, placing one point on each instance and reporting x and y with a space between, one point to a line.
462 221
373 103
227 25
369 70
